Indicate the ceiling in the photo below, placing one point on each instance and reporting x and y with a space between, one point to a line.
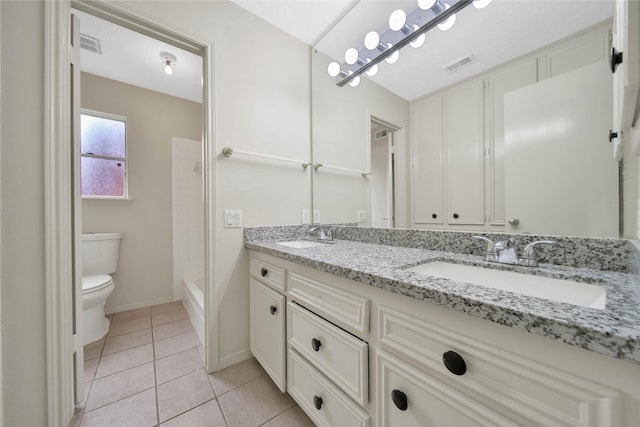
130 57
504 30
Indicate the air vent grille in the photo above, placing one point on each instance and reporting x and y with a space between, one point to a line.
91 44
459 63
382 133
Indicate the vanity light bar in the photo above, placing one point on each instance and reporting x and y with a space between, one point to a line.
392 41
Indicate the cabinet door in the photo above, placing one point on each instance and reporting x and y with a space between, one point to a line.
408 397
626 79
267 334
514 77
426 131
464 136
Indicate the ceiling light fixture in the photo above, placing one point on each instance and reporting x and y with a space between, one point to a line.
403 29
169 62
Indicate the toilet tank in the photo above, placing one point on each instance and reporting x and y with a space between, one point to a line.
100 253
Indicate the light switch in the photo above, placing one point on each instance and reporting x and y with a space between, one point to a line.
232 218
362 217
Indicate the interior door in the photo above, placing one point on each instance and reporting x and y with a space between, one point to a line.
78 349
564 122
381 181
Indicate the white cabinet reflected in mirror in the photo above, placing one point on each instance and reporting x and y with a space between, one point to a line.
420 147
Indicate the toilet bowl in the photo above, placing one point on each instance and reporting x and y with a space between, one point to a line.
99 260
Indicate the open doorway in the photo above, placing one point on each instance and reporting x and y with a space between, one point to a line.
382 179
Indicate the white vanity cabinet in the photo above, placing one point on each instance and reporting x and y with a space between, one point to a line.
267 324
357 355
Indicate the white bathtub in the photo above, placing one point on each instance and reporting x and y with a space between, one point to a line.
193 302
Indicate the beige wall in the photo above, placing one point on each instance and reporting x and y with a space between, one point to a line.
145 271
24 373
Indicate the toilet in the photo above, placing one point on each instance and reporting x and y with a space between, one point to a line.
99 260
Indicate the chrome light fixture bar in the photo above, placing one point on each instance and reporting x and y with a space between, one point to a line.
404 29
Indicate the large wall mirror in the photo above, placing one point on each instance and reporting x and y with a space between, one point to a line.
514 139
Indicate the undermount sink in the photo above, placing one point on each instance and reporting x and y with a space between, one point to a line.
567 291
300 244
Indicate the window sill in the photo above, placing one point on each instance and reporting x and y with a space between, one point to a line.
106 198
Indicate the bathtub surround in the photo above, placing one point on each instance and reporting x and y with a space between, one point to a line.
613 331
145 273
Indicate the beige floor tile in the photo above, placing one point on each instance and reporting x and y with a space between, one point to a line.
176 344
200 349
124 360
168 307
129 326
138 410
234 376
177 365
171 329
93 350
125 316
121 385
126 341
208 415
172 316
294 417
183 394
90 368
254 403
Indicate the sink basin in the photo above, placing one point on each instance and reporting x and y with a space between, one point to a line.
567 291
300 244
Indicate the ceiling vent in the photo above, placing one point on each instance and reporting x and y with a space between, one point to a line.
91 44
382 133
459 63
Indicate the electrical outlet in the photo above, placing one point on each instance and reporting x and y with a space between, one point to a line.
305 216
316 217
362 217
232 218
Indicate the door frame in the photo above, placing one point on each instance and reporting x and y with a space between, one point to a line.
59 197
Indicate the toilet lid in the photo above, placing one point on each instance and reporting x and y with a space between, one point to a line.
95 283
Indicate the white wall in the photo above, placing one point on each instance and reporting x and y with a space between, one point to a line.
22 219
145 270
262 105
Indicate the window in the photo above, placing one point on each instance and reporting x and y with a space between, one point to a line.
103 155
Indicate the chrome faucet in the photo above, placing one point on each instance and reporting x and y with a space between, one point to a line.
504 252
319 233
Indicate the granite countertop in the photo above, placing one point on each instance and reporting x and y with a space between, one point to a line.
614 331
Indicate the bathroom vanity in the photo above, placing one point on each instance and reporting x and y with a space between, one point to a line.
357 336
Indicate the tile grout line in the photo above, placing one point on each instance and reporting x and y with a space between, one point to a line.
155 370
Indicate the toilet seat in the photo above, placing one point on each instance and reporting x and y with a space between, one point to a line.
95 283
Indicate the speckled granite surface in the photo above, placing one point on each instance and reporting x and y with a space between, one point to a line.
614 331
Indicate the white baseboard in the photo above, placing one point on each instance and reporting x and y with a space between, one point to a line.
235 358
125 307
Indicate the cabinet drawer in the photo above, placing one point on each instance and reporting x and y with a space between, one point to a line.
512 385
336 353
268 273
267 331
312 391
408 397
343 308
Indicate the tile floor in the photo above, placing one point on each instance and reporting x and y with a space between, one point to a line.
148 371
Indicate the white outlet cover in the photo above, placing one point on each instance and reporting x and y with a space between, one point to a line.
316 217
305 216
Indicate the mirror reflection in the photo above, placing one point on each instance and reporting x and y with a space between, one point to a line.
514 139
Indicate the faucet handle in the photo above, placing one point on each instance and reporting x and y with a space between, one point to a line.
490 243
491 254
528 254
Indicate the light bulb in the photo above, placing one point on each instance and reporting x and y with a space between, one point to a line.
418 42
167 68
426 4
481 4
397 20
355 82
393 58
372 71
351 56
333 69
446 25
371 40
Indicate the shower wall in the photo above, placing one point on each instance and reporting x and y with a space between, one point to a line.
188 212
